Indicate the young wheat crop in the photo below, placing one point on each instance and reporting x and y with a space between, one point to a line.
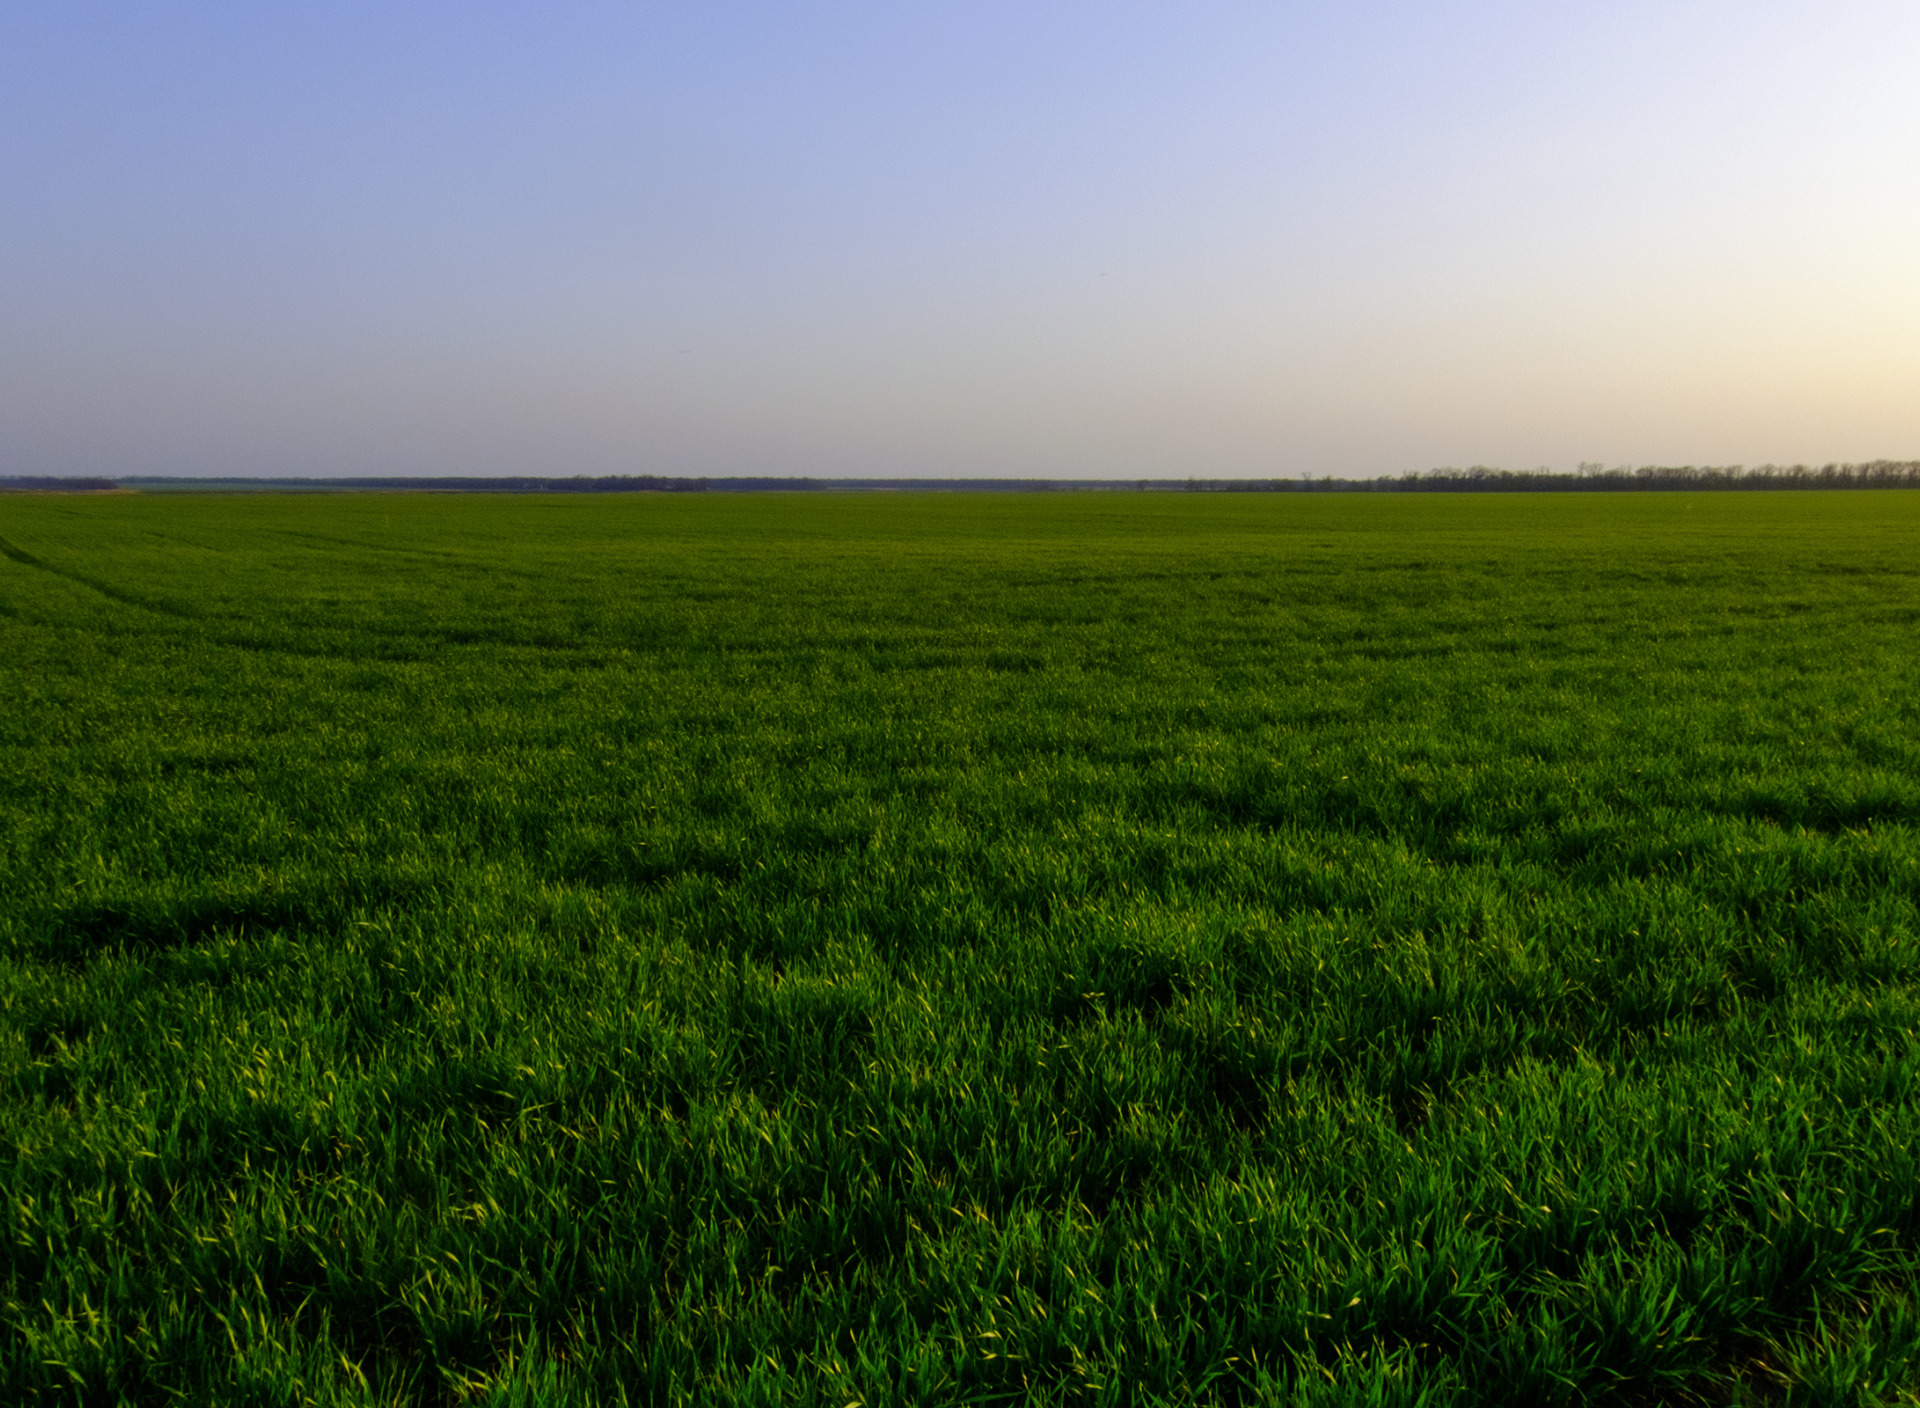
1028 949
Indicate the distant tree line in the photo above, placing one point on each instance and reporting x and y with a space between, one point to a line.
1590 478
608 484
473 484
529 484
31 483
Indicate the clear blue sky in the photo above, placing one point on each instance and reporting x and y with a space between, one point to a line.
1060 239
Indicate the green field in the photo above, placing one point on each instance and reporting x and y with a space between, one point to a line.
1109 949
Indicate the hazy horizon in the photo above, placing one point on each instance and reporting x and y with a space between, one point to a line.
848 240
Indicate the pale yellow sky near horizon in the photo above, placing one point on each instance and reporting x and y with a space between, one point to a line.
1099 241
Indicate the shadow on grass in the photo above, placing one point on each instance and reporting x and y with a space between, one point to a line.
74 935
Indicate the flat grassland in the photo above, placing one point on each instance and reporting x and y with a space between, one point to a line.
1084 949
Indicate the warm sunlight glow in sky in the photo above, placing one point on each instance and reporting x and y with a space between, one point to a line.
1063 239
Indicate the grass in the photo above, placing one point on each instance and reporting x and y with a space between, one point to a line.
1086 950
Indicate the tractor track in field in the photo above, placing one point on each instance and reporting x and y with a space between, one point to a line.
112 593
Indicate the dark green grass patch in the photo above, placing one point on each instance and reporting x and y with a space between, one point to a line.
1097 949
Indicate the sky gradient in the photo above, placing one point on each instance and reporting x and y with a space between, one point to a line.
1061 240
